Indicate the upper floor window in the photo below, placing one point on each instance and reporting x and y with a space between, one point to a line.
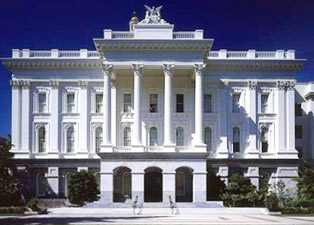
127 102
298 110
41 140
236 103
98 139
41 184
208 138
153 136
207 103
70 139
264 103
264 137
153 103
42 102
180 103
179 136
236 139
70 102
298 131
127 136
99 103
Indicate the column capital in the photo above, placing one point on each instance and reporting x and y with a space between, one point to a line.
54 84
138 68
291 85
15 84
83 84
107 68
25 84
168 68
252 84
199 68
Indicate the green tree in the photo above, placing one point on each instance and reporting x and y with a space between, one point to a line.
239 191
82 188
10 188
306 182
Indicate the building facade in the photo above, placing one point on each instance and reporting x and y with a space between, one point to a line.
157 114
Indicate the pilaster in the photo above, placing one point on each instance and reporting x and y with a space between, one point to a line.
25 131
199 186
83 126
138 186
281 116
16 115
53 181
55 103
169 185
252 121
223 121
290 120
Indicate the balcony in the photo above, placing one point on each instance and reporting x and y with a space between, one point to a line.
55 54
153 149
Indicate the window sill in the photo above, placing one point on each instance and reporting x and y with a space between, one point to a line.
71 113
41 113
96 114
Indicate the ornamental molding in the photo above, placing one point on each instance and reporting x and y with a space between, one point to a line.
15 84
71 89
25 84
107 68
83 84
138 68
266 89
152 16
199 68
98 89
252 84
96 125
282 85
168 68
237 89
38 125
42 89
54 84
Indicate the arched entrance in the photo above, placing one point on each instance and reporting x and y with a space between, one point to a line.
122 184
184 184
153 185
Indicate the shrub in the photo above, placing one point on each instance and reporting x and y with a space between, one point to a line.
12 209
82 188
272 202
33 204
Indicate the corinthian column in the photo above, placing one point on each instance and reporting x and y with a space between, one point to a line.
168 104
199 106
107 70
137 128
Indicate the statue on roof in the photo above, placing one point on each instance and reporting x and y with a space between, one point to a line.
152 16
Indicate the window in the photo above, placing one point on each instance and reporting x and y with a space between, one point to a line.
153 103
180 184
264 103
207 103
127 136
127 102
208 138
236 140
70 139
153 136
98 139
298 131
41 184
264 138
235 103
179 136
300 152
70 102
99 103
41 140
180 103
42 102
298 110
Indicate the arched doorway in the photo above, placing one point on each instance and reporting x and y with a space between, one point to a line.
184 184
122 184
153 185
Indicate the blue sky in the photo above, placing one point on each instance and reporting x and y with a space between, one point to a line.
234 24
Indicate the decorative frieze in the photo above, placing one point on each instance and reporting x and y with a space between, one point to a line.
83 84
25 84
54 84
281 85
252 84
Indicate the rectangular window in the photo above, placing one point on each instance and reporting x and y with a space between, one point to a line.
42 102
70 102
153 103
236 103
207 103
180 103
298 131
99 103
264 103
298 110
127 102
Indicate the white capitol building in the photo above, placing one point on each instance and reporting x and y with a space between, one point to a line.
154 113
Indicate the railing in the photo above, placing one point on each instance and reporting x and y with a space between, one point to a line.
184 148
122 149
153 148
183 35
122 35
252 54
55 53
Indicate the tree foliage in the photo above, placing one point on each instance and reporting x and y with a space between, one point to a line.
306 182
10 188
239 191
82 188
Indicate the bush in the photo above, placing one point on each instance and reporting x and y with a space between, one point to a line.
12 209
82 188
304 203
33 204
272 202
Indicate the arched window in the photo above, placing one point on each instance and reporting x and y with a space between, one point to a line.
153 136
181 184
126 184
127 136
70 139
236 140
41 184
41 139
264 137
179 136
208 138
98 139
